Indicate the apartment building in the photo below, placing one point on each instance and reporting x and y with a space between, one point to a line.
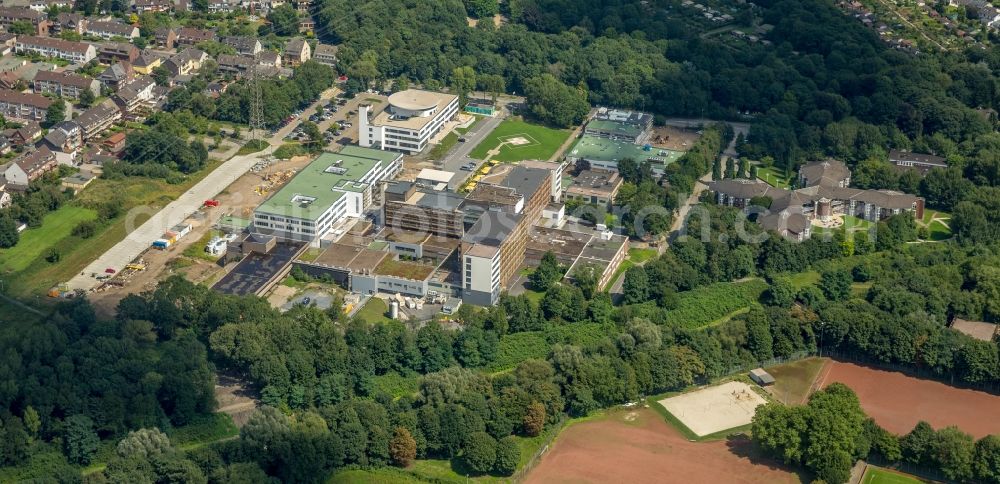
75 52
108 30
22 106
9 15
98 118
190 36
186 62
30 167
247 46
325 54
408 124
65 84
297 51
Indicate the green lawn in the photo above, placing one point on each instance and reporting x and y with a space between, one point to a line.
442 148
252 146
792 381
803 279
374 311
55 227
773 176
875 475
640 256
543 142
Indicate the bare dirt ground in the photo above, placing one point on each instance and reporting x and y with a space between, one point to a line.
670 138
239 200
235 398
897 401
638 446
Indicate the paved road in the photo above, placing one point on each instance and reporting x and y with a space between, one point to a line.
459 155
139 240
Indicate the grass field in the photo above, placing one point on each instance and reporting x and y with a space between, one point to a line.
875 475
55 227
442 148
542 142
374 311
640 256
794 380
774 177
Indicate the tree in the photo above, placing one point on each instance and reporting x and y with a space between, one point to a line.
586 278
56 112
493 84
22 27
481 8
80 441
402 447
508 456
87 98
534 419
143 443
547 273
635 287
744 168
8 232
161 75
284 20
986 460
32 422
463 79
555 103
952 451
836 284
481 452
781 292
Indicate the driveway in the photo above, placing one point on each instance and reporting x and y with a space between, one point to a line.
459 155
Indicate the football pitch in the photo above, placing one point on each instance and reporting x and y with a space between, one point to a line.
518 140
875 475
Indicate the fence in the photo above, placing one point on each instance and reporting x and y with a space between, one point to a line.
934 475
913 370
551 435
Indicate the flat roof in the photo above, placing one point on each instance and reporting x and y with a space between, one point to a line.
616 127
370 153
405 270
602 149
439 176
311 192
414 123
352 257
417 100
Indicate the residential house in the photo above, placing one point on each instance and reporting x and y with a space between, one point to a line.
269 58
65 84
5 198
134 95
831 173
235 64
921 162
215 89
325 54
30 167
9 15
22 106
297 51
7 42
76 52
303 5
77 181
98 118
306 25
114 144
145 63
26 134
248 46
185 62
45 5
190 36
108 30
117 75
5 146
113 52
164 37
64 140
217 6
69 22
143 6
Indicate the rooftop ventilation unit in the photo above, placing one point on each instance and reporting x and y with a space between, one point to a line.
336 170
303 200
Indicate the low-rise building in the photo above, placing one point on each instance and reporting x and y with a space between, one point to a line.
26 134
597 187
22 106
326 54
64 140
98 118
247 46
334 186
828 173
117 75
145 63
630 126
65 84
39 20
165 38
143 6
592 152
407 125
921 162
189 36
76 52
112 52
69 22
29 167
185 62
134 95
108 30
297 51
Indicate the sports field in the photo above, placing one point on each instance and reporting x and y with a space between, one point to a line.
875 475
521 141
638 446
711 410
793 381
897 401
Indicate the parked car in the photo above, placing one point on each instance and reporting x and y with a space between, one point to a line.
461 140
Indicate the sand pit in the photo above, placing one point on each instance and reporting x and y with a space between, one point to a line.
715 409
897 401
639 447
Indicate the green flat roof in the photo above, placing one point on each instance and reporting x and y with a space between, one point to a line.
314 186
602 149
372 153
609 126
236 222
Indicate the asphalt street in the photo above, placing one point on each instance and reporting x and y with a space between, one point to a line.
459 155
